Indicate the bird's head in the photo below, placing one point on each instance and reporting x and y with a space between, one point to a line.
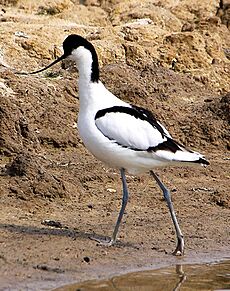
78 49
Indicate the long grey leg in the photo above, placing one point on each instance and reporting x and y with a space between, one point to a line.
124 203
122 210
179 251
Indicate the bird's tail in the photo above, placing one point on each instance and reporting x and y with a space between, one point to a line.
188 156
175 152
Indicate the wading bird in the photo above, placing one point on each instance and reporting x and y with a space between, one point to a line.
123 136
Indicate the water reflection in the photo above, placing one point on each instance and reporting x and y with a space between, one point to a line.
186 277
181 275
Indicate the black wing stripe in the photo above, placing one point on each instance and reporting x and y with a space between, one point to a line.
114 109
169 145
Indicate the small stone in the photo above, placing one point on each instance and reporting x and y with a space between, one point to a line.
111 190
86 259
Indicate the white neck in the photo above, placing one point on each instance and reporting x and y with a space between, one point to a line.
93 95
84 60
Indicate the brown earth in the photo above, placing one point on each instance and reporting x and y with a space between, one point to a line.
169 56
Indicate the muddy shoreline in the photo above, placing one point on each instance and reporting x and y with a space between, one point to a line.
50 279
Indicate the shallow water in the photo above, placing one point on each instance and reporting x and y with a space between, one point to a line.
214 276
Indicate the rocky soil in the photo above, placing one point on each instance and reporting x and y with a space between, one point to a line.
170 56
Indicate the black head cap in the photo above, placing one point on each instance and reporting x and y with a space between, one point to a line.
74 41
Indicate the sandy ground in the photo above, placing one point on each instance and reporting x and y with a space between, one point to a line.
47 174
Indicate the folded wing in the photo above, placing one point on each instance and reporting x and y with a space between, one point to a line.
131 127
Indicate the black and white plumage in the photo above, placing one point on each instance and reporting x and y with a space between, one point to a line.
121 135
